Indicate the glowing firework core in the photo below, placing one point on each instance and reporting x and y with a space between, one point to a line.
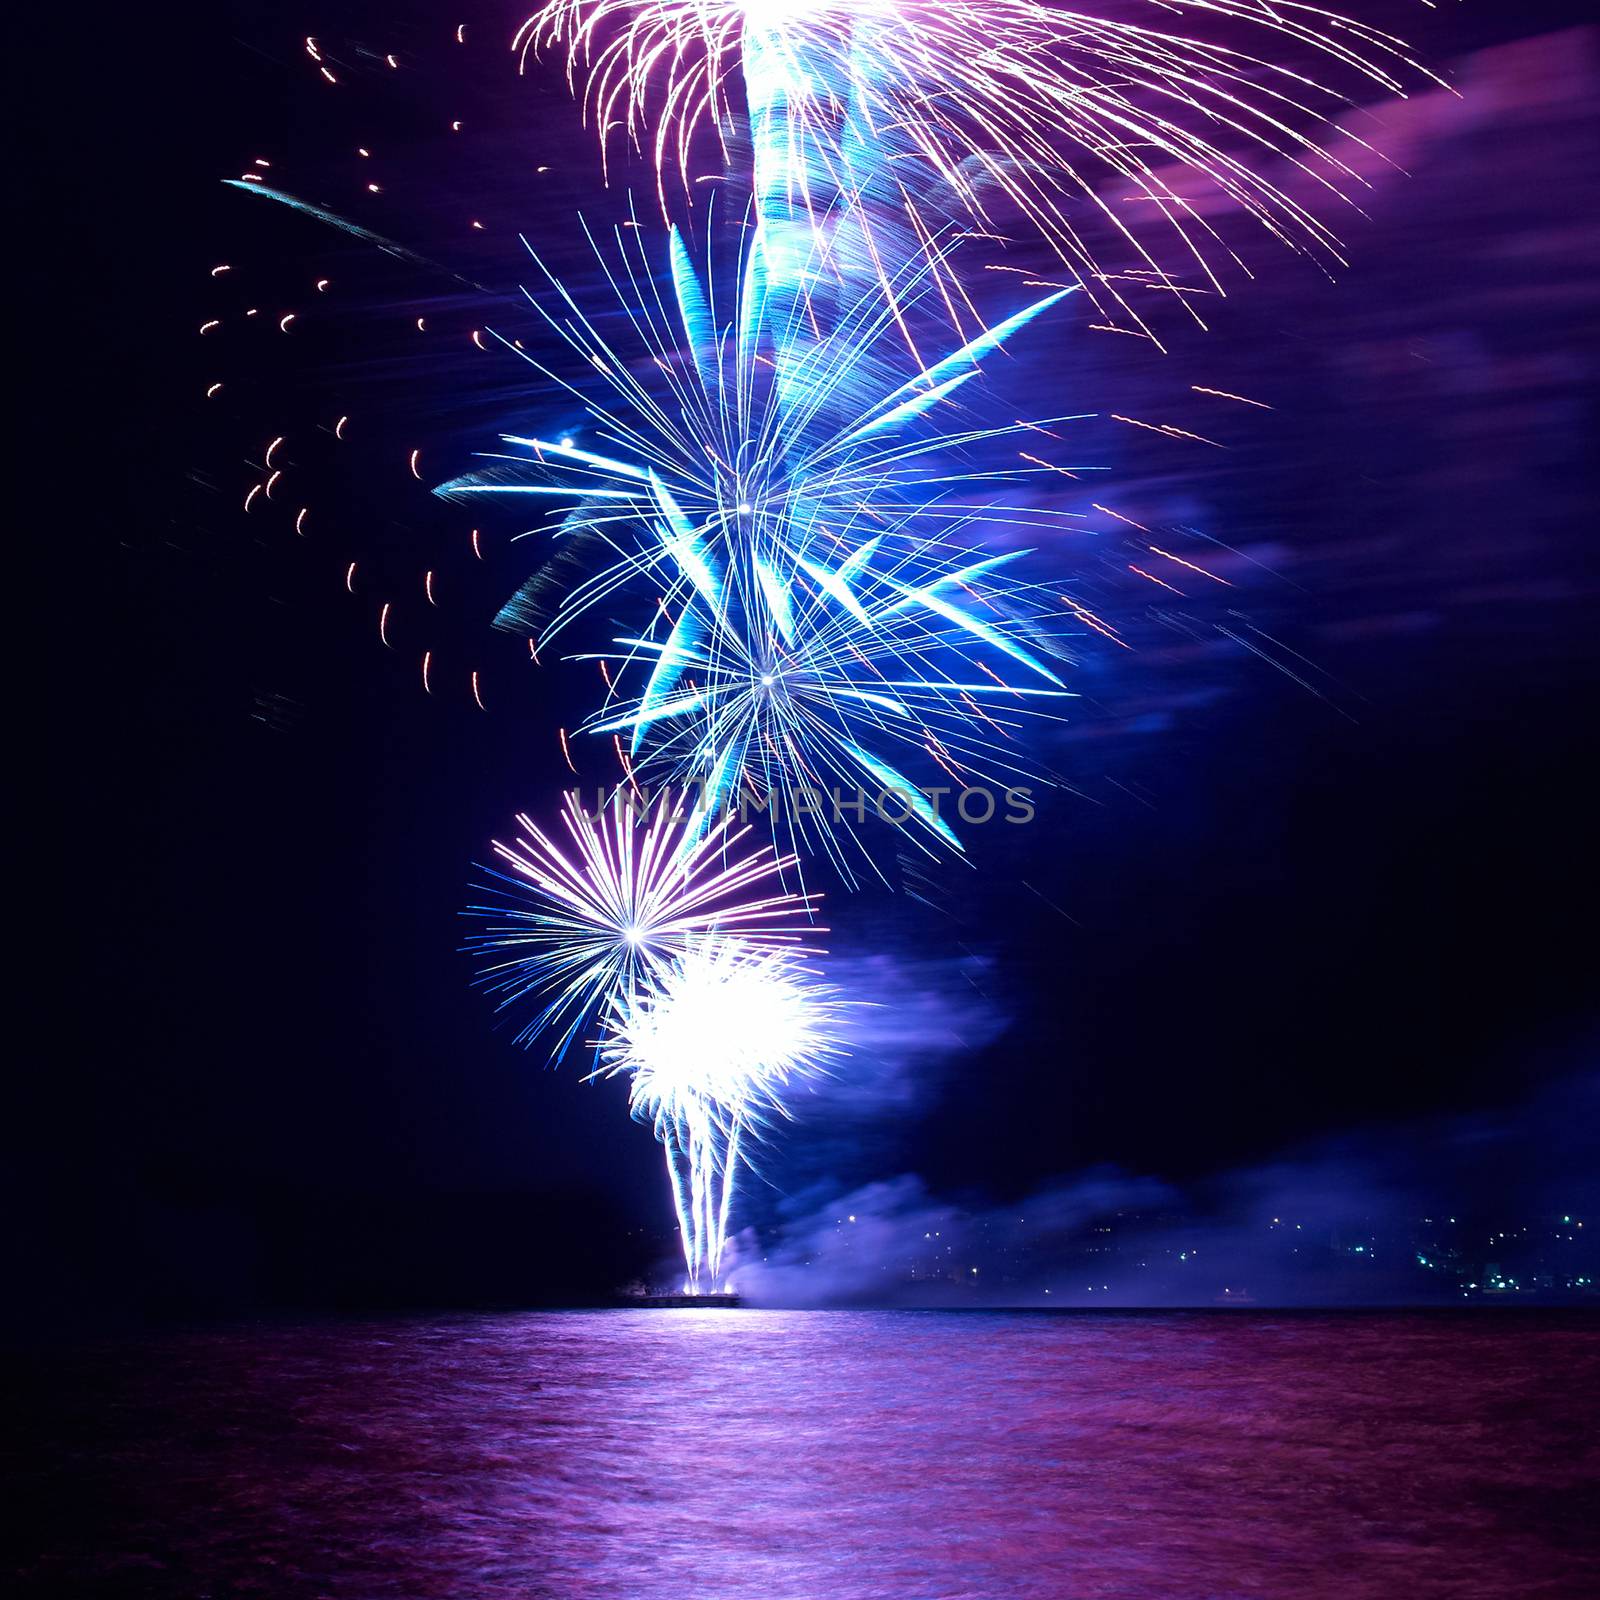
721 1028
709 1045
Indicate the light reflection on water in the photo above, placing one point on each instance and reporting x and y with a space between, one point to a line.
851 1454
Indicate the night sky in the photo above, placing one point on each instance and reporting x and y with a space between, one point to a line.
1260 919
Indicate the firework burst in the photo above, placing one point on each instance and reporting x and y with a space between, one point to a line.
577 924
808 550
1087 125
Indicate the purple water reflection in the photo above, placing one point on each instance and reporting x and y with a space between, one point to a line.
794 1456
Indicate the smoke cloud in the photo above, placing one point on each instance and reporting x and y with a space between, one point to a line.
1387 1216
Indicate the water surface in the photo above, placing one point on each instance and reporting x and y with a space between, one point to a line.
827 1456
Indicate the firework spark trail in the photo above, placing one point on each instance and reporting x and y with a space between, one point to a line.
710 1044
333 219
577 924
1000 104
807 548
